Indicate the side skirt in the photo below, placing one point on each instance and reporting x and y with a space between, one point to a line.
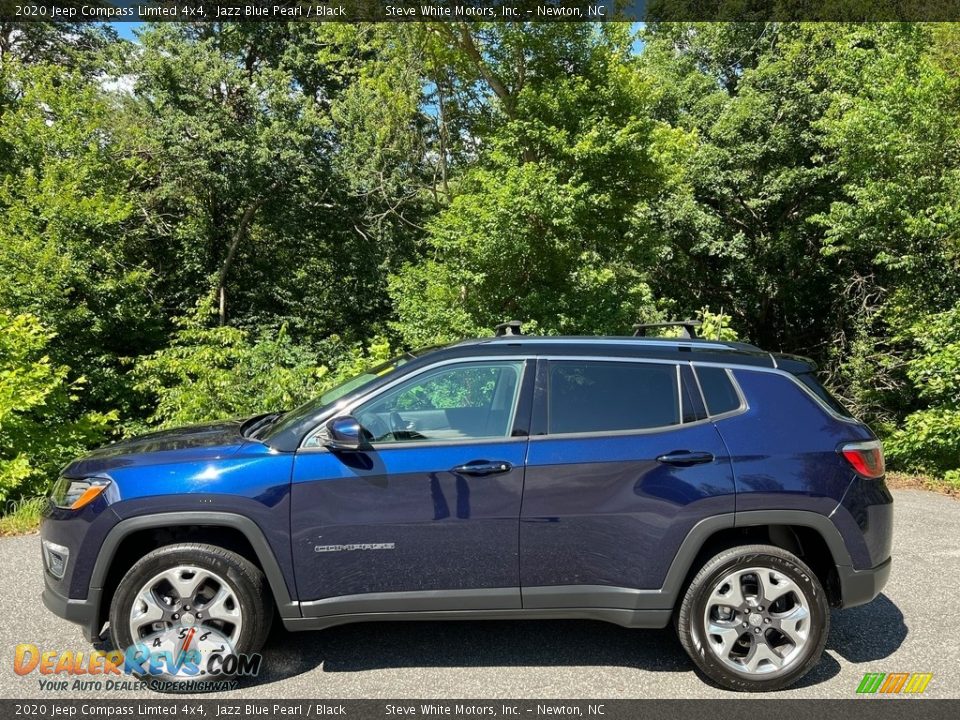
617 616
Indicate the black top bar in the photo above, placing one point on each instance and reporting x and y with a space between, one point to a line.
473 10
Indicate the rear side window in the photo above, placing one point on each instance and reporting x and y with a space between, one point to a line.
811 382
597 396
718 390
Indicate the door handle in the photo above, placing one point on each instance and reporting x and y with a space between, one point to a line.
685 458
482 467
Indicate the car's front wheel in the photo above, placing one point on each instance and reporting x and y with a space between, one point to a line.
755 618
183 610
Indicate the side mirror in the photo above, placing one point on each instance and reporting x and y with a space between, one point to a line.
343 433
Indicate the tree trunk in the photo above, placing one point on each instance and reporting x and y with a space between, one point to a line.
507 97
467 44
238 234
442 135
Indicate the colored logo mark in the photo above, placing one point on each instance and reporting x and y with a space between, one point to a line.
894 683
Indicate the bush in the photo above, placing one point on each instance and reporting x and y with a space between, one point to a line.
716 326
929 440
21 516
40 429
212 373
952 478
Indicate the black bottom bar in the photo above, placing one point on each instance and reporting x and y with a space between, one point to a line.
856 708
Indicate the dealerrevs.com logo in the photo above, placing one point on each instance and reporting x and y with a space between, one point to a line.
181 658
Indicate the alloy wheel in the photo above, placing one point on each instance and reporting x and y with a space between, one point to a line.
186 596
757 621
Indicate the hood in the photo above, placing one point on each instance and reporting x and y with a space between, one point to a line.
196 442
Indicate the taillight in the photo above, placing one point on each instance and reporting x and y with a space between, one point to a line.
865 457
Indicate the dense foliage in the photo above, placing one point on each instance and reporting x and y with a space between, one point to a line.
40 428
220 219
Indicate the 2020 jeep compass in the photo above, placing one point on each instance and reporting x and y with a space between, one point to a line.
639 481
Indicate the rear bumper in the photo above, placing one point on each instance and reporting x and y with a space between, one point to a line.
85 613
858 587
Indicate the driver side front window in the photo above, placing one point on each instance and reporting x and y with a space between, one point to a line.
455 402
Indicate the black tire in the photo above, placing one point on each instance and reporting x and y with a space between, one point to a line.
691 622
248 582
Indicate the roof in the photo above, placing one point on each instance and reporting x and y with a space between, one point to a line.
680 349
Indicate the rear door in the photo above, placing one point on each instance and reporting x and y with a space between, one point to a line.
621 465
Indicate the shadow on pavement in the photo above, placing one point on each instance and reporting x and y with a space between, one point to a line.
369 646
858 635
869 632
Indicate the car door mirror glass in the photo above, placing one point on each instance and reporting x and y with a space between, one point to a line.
343 433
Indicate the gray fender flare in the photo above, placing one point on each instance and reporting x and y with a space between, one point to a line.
701 532
250 530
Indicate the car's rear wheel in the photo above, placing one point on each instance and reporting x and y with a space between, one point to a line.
755 618
182 604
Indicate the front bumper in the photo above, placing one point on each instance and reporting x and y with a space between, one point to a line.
858 587
80 533
85 613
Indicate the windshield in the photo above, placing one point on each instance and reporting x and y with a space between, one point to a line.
320 402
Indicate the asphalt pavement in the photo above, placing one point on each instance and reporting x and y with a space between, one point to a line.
914 626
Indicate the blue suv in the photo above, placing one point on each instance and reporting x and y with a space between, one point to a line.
640 481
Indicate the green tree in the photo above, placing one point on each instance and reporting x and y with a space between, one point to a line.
210 373
552 223
224 137
742 236
822 189
78 45
66 216
892 228
37 435
929 440
274 157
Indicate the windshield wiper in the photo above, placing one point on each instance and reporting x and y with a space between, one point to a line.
262 423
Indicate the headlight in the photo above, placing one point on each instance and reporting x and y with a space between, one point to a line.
74 494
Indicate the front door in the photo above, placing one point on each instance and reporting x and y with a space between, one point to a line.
622 471
427 517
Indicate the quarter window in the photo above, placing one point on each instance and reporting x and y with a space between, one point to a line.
821 392
718 390
598 396
455 402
